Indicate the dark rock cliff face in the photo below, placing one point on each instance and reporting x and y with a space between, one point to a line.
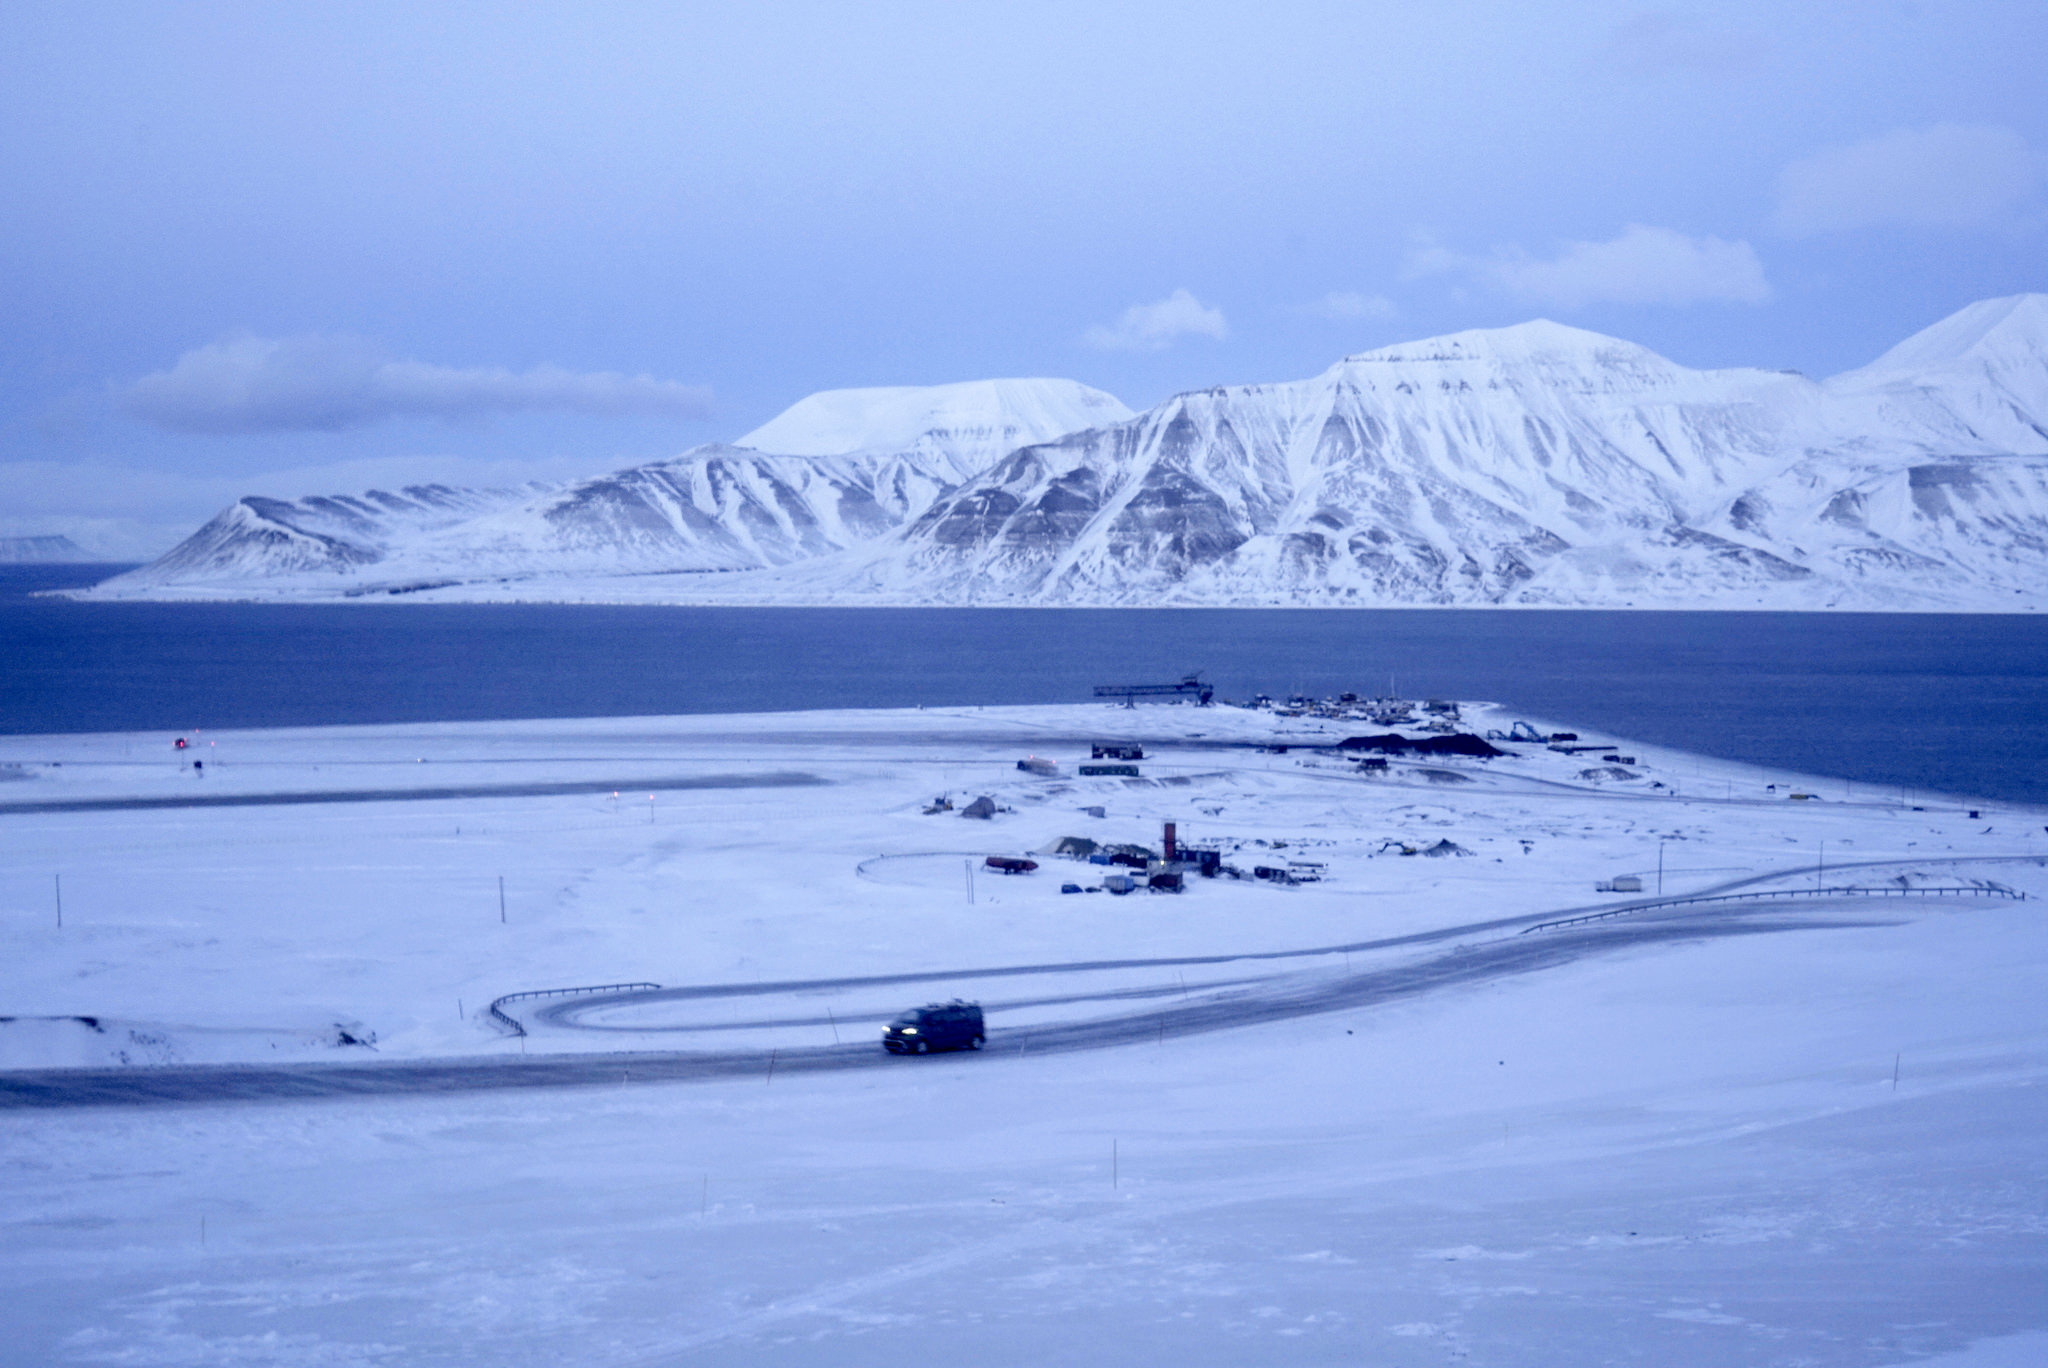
1058 515
974 519
861 513
1749 557
1937 488
1171 524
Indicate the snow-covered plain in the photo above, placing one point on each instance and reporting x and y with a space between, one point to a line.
1808 1135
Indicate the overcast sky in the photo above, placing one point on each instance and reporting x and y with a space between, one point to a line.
285 249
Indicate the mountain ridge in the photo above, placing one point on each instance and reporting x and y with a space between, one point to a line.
1534 465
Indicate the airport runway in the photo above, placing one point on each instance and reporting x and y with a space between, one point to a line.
777 779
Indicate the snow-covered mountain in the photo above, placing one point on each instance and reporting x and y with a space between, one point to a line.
1537 464
956 430
856 464
1936 482
45 550
1449 470
258 538
1981 373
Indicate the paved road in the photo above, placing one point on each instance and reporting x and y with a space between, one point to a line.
566 1012
1271 999
775 779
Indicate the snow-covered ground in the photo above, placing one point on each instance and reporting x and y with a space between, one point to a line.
1803 1134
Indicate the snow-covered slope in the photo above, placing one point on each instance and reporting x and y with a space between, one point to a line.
1980 376
256 538
714 508
854 464
1538 464
1934 487
959 429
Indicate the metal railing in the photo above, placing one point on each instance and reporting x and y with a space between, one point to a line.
504 1019
1944 892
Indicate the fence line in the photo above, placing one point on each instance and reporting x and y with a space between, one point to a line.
520 1030
1962 892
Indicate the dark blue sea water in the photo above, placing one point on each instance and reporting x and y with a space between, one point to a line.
1931 702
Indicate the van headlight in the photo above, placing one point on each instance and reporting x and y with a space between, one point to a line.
909 1030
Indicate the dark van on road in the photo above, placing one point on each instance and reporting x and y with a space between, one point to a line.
952 1025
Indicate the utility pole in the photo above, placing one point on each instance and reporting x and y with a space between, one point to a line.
501 900
59 878
1660 866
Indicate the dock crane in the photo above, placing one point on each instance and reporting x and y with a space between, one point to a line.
1190 686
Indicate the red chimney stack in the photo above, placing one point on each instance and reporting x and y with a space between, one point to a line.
1171 853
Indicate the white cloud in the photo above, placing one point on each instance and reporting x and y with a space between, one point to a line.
1341 305
1949 175
268 384
1153 327
1643 265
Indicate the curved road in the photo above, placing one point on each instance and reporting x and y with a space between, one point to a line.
567 1011
1271 999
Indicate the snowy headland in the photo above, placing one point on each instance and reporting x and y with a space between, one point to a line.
1393 1107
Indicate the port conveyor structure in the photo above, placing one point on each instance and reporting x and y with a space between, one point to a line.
1191 686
